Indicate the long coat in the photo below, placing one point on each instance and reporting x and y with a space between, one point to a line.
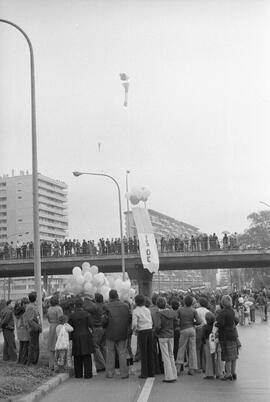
226 321
82 340
53 314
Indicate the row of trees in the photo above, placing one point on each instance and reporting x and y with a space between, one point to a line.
257 235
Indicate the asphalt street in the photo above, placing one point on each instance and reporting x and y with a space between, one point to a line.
253 383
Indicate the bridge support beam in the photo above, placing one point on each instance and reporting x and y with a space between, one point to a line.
143 277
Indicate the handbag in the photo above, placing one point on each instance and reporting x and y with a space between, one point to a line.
213 340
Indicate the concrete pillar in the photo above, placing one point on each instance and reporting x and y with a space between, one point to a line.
144 278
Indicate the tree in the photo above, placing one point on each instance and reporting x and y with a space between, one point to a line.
258 233
257 236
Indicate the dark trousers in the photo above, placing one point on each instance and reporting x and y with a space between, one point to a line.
176 343
23 352
145 341
158 363
33 351
252 315
9 349
83 365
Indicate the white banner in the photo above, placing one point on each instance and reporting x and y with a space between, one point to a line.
147 242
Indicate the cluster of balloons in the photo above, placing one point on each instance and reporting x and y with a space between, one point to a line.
87 280
138 194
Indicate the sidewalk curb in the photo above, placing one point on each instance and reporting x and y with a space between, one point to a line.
43 390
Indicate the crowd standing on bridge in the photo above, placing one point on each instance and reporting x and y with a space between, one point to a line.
176 333
67 248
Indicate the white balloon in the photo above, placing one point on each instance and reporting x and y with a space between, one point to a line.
118 284
89 288
126 285
94 270
125 296
85 266
76 271
145 194
80 279
101 278
98 280
110 280
77 289
88 276
134 199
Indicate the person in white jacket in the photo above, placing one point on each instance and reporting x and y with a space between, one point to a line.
62 344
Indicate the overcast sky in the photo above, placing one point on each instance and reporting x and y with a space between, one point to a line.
196 129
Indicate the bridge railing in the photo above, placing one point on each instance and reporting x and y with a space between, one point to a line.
13 254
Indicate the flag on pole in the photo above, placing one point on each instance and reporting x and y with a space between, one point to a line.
147 242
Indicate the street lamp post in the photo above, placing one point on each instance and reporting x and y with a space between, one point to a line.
37 261
128 218
77 174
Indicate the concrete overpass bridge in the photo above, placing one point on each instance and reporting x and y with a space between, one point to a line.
112 263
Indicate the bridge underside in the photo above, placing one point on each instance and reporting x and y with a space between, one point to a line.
168 261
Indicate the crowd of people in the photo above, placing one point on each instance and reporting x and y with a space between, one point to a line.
183 243
176 333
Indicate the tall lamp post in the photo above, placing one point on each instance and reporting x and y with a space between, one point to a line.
37 261
77 174
128 217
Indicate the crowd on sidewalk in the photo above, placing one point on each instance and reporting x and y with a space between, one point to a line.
182 243
176 333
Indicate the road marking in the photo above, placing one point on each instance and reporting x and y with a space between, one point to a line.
146 390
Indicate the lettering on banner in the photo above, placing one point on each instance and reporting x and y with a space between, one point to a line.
148 250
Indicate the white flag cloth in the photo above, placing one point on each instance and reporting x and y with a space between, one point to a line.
147 242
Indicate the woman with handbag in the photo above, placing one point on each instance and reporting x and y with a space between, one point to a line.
209 345
54 312
226 322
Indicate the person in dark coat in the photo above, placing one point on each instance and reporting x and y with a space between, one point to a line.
34 328
22 333
117 319
82 340
7 324
226 322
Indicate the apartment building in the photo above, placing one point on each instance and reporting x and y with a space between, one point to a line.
16 208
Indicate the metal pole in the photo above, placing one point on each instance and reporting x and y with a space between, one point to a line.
128 217
37 261
120 213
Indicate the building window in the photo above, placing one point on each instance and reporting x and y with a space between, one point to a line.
20 220
19 198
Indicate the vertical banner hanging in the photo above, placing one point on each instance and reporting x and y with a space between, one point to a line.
147 242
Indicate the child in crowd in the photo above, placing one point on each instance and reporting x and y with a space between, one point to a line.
209 355
62 344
